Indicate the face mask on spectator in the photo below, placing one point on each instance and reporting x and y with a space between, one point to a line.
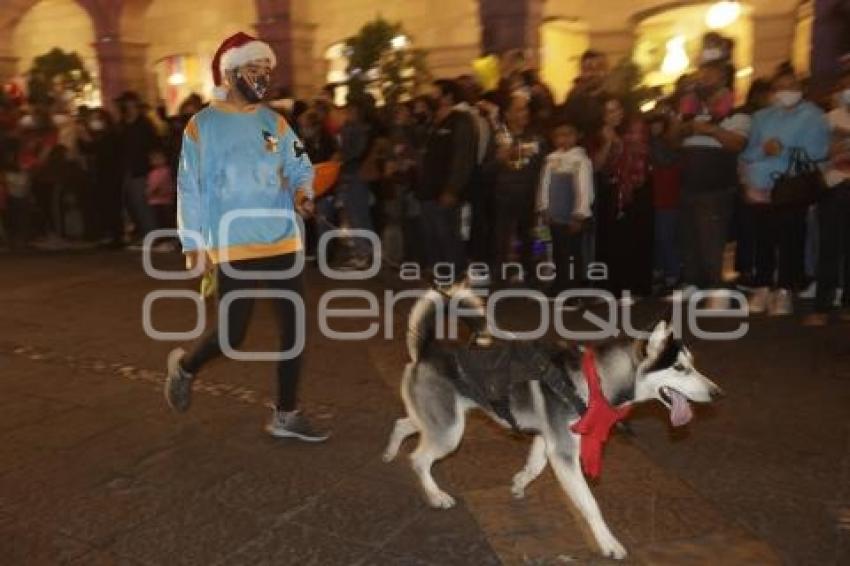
787 98
96 125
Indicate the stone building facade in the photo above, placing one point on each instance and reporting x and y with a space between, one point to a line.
127 42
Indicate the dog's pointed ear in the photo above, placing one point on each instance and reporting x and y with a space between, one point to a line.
657 339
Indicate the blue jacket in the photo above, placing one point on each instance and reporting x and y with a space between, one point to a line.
234 161
803 126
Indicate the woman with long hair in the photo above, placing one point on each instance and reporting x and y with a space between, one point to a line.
624 230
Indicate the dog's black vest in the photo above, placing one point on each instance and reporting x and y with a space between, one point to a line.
486 375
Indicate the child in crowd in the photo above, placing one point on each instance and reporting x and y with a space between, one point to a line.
666 175
564 200
161 194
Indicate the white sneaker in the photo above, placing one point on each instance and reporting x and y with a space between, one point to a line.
163 247
482 280
809 292
717 300
682 295
759 299
781 303
358 263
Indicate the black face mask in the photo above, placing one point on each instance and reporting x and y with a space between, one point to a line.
253 90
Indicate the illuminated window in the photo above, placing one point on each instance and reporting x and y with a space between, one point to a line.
178 76
669 43
563 42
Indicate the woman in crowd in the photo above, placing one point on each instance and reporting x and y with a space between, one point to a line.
834 214
623 200
514 170
39 138
99 143
791 125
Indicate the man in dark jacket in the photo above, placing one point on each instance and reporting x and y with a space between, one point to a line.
137 138
448 164
584 105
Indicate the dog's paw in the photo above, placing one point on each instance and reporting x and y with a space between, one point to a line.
613 549
518 487
441 500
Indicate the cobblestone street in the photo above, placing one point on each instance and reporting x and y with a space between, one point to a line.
94 469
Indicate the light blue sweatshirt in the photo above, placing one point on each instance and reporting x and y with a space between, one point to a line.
238 159
803 126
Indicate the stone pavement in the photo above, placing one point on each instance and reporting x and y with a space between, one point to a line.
95 470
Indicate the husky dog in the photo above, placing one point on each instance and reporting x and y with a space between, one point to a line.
436 397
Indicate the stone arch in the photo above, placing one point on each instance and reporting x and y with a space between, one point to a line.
30 32
155 35
637 17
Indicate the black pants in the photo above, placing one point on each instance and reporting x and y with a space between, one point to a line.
209 348
834 223
567 256
165 215
512 215
441 230
705 229
745 236
780 246
110 205
480 247
625 238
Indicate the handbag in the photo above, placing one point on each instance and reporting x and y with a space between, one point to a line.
801 184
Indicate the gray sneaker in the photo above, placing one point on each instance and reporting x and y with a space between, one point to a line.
294 425
178 384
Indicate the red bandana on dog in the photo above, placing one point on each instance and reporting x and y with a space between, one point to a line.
595 425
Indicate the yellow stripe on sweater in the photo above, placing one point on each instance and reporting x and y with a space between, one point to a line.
255 251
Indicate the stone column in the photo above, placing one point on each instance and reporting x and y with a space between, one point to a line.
773 41
134 62
106 21
830 37
274 26
8 61
514 24
111 68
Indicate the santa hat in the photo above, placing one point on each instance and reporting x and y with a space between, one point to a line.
235 51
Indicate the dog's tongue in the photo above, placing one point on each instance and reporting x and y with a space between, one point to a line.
680 410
